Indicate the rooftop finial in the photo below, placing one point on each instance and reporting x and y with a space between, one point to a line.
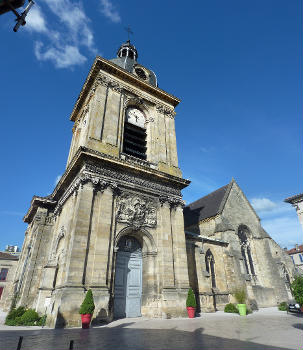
129 31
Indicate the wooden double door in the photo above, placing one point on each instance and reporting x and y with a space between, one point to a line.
128 284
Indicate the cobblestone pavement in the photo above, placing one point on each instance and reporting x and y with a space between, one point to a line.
267 329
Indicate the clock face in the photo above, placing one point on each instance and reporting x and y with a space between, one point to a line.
135 116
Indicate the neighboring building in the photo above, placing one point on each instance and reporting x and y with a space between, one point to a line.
12 249
114 223
297 256
297 203
228 248
8 265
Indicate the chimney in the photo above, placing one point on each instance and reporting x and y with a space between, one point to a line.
297 246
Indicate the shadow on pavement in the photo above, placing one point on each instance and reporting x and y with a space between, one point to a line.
298 325
122 338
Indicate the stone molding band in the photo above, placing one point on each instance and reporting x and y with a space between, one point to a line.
100 184
104 80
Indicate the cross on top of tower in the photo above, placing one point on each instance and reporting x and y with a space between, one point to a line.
129 31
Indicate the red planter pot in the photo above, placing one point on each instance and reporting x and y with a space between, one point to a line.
86 318
191 311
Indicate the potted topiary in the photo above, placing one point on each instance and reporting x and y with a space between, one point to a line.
191 303
87 309
240 296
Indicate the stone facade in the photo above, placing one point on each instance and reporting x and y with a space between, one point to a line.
296 255
256 262
107 195
8 265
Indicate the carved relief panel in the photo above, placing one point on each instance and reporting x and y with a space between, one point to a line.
137 211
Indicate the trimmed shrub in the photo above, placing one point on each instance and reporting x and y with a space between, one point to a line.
191 299
248 311
41 321
88 306
240 295
13 314
24 317
283 306
29 318
297 289
231 308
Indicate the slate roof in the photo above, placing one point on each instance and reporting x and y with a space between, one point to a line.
294 250
206 207
7 256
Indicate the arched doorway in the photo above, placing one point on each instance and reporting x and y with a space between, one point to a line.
128 278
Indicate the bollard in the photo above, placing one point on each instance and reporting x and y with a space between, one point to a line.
71 345
19 343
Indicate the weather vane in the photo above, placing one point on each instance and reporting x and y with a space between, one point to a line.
129 31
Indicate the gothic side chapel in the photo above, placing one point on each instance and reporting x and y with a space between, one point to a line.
114 222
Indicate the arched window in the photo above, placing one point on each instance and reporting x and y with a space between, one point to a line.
134 142
243 232
210 267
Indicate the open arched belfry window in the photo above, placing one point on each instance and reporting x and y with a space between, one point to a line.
210 267
134 142
243 233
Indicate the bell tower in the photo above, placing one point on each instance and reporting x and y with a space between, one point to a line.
114 222
121 112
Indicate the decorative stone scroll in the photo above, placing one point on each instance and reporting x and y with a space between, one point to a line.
165 110
137 211
98 183
137 101
172 201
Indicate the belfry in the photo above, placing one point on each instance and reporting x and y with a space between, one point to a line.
114 222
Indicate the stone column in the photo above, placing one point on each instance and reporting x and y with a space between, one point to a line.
165 247
179 247
99 273
79 235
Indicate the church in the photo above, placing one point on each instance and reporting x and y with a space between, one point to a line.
116 222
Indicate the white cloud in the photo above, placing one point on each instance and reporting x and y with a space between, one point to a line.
285 230
62 57
73 17
35 20
279 219
266 207
108 10
263 204
64 32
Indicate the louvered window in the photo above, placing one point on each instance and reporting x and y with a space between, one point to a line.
134 141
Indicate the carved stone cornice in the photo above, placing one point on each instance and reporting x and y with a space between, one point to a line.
123 178
101 64
173 202
99 185
36 202
169 112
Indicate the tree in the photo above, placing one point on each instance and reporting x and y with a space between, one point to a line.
297 289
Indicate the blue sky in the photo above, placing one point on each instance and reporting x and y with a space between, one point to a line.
234 64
